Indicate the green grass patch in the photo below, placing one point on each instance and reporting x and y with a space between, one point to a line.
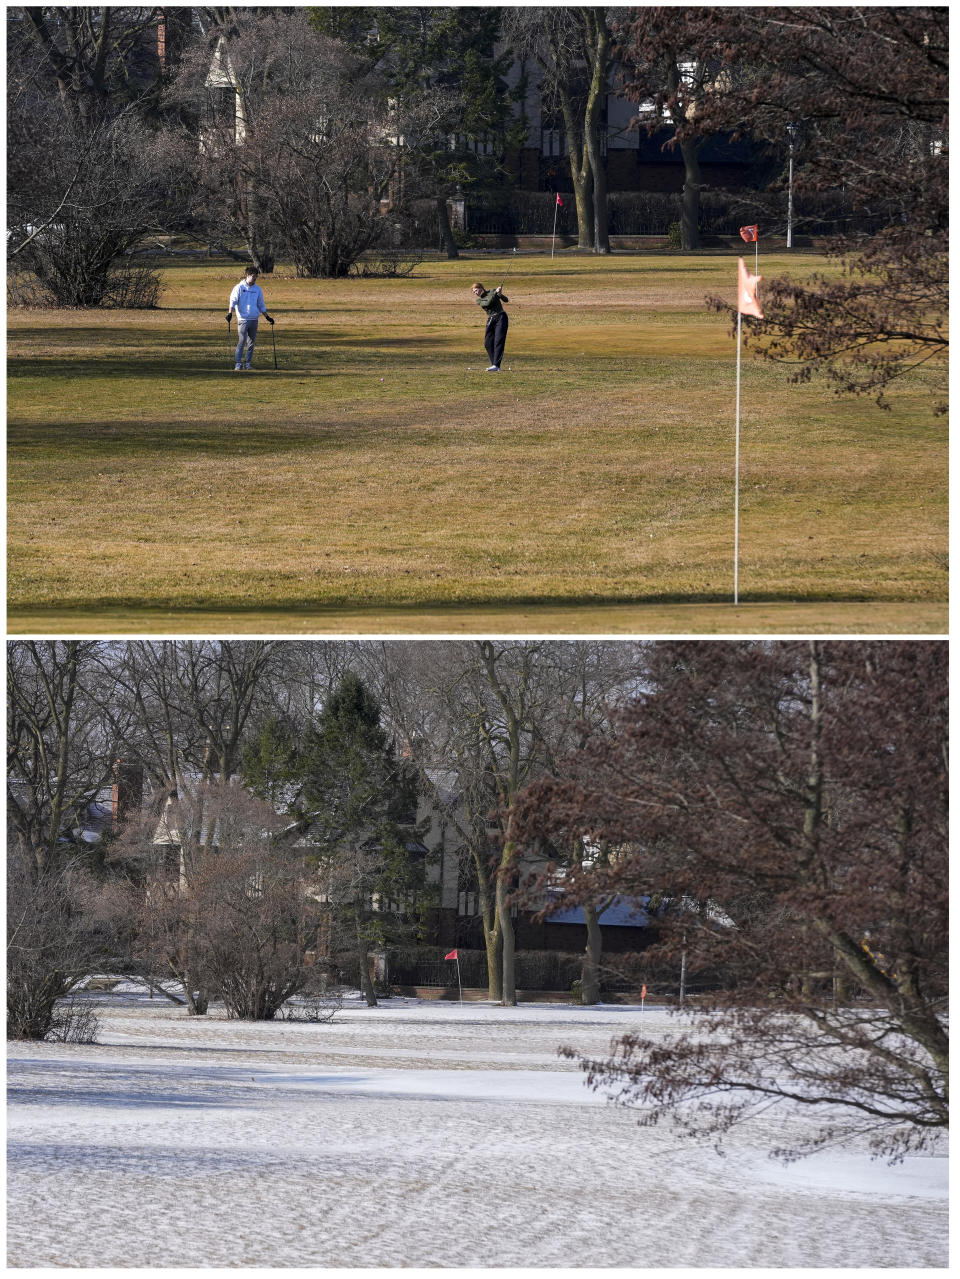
380 476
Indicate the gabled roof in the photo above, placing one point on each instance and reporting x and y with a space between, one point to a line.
623 912
221 74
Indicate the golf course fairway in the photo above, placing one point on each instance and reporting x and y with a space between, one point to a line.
379 481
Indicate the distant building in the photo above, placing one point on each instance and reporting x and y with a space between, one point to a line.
635 160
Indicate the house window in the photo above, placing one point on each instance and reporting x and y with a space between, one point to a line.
553 138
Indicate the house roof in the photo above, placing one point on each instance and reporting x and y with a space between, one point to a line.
623 912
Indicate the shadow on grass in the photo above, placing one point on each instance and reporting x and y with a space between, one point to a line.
224 440
391 606
327 423
198 355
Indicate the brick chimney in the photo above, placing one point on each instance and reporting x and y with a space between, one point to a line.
162 39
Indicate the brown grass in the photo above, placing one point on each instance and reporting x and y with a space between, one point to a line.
381 477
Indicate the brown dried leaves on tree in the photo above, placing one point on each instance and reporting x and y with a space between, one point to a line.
867 90
785 807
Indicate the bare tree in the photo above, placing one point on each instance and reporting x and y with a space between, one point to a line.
864 93
220 682
298 142
60 757
483 719
670 70
221 905
87 174
571 46
60 753
61 924
787 805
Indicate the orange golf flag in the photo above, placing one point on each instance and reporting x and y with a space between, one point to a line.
747 303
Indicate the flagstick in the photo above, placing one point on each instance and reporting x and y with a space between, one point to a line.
459 982
553 243
736 484
757 247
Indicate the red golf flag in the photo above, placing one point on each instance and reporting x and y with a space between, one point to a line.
643 992
750 233
452 955
747 303
559 201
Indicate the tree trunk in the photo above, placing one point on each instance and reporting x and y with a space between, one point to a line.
259 246
491 925
690 208
581 174
264 258
366 982
508 996
599 47
196 1002
590 973
491 940
601 213
446 231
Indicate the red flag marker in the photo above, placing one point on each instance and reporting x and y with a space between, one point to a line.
452 955
559 201
750 233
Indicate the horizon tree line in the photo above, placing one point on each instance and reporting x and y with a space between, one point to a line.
330 127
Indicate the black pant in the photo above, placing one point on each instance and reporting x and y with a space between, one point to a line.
495 337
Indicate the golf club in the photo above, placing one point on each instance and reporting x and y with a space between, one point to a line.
509 265
273 334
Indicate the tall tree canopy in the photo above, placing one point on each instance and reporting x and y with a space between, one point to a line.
786 804
865 91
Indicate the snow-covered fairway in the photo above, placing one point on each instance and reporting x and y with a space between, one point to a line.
412 1135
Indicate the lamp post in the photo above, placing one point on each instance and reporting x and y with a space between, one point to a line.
791 130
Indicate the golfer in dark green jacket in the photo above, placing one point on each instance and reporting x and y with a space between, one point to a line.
495 335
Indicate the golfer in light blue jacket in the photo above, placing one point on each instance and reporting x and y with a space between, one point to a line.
247 300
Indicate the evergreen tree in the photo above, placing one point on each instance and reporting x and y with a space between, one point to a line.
358 803
447 56
269 765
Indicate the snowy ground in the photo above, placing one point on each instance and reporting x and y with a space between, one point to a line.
415 1135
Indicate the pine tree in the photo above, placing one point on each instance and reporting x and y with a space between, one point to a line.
359 804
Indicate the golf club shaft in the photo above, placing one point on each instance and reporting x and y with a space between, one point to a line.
273 334
507 272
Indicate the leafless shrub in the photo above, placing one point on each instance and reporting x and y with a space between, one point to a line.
52 940
220 902
388 264
318 1007
84 196
75 1021
132 288
24 290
